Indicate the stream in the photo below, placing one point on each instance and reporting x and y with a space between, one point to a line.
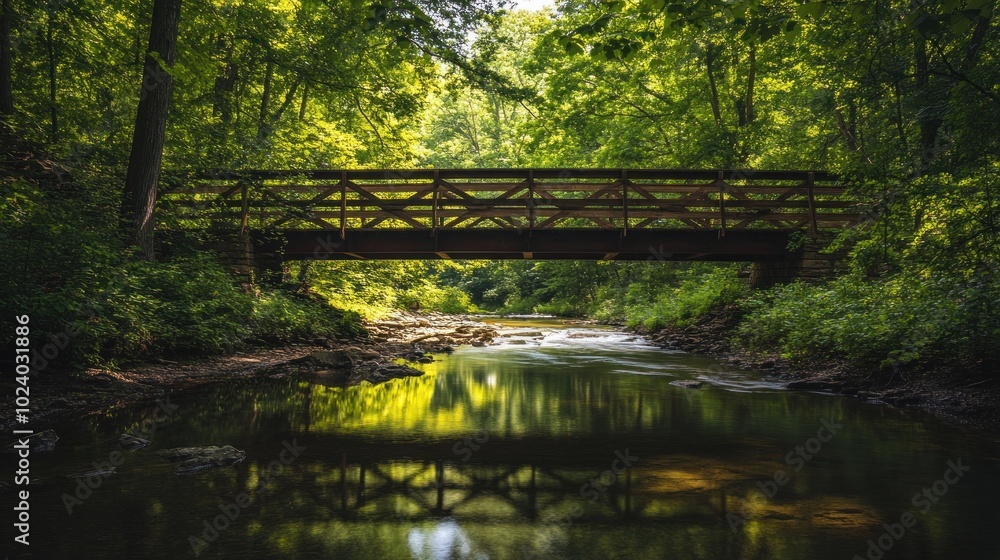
559 442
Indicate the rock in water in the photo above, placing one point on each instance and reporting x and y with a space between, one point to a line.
333 358
132 443
687 383
42 441
381 374
526 334
105 472
810 385
196 459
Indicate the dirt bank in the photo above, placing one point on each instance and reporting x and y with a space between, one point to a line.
958 396
415 338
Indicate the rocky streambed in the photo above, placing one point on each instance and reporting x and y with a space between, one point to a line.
393 342
400 337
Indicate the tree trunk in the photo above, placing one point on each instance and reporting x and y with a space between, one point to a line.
139 200
930 124
847 126
709 59
303 277
53 109
289 97
751 77
265 100
6 94
305 98
224 84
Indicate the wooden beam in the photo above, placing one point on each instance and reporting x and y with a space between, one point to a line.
812 204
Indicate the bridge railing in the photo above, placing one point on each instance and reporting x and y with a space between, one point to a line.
507 198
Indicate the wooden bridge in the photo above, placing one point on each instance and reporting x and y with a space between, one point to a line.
609 214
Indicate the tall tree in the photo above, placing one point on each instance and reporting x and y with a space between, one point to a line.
6 95
139 200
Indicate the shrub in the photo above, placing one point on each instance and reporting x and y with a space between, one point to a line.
696 295
280 316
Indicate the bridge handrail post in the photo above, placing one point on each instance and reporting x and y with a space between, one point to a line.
435 199
244 207
624 202
810 179
343 204
531 201
721 182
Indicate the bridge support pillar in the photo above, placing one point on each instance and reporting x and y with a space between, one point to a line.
767 273
812 263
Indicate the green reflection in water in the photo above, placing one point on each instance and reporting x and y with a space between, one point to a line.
494 453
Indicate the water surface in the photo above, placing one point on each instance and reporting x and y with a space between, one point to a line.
511 451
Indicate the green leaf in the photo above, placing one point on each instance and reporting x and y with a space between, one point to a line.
574 48
601 22
959 24
813 10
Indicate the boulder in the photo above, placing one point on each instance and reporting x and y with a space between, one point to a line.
132 443
332 358
105 472
381 374
526 333
37 443
197 459
361 354
687 383
585 335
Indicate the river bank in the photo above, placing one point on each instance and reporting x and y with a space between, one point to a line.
340 361
960 397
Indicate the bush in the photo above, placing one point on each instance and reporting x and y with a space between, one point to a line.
878 323
428 297
697 294
283 317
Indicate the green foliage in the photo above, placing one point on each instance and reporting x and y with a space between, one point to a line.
280 316
428 297
898 97
882 323
186 305
697 293
372 289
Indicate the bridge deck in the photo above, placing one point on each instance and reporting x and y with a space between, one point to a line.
514 213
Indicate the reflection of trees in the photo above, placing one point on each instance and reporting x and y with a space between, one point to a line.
380 463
